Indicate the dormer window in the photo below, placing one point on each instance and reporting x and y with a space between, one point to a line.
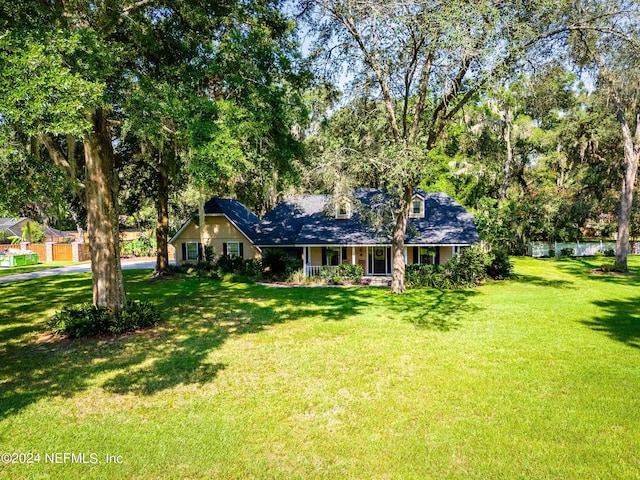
416 209
343 209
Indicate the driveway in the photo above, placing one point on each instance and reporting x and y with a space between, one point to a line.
127 263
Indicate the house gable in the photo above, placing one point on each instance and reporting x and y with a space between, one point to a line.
229 229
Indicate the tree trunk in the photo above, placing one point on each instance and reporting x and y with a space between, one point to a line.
202 219
624 212
631 157
397 242
162 228
102 216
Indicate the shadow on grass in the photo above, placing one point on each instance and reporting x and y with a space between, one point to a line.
621 321
545 282
201 316
432 309
582 267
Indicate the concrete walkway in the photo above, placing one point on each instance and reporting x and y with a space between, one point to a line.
127 263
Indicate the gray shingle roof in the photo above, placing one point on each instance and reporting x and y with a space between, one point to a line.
244 219
12 225
309 220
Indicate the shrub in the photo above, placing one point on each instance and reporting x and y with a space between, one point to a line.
567 252
229 264
137 315
209 254
297 277
468 268
552 253
251 268
352 273
89 320
472 266
499 266
609 252
275 261
608 267
293 265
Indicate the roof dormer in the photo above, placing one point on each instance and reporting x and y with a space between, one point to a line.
343 208
416 207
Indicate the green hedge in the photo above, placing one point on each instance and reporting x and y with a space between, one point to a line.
467 269
90 320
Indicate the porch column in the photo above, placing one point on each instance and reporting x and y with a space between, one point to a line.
406 258
453 251
304 261
353 255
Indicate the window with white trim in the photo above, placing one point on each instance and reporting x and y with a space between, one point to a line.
191 251
343 209
417 208
233 249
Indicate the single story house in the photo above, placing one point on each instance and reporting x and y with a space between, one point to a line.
229 229
324 231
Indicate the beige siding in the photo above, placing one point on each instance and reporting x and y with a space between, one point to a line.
361 256
410 258
316 256
445 254
218 230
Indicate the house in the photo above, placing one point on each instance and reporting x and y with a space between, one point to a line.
229 229
14 227
324 231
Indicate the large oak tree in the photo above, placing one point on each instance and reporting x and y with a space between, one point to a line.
424 60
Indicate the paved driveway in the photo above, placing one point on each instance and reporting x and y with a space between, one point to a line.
81 267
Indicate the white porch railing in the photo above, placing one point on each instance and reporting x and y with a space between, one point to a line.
314 270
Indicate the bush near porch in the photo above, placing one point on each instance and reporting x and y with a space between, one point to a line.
469 268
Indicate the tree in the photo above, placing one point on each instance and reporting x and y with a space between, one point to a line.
75 70
425 60
612 49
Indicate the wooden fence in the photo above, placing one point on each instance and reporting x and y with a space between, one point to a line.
59 252
40 249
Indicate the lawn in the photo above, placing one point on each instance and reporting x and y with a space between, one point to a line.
529 378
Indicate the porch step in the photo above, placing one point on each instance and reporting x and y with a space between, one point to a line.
378 281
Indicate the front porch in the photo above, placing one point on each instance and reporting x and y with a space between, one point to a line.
376 260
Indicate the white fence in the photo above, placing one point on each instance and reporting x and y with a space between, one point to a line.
580 249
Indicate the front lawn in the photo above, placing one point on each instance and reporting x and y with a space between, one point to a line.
529 378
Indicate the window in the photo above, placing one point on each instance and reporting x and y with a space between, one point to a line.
343 209
333 256
427 255
191 251
233 249
417 208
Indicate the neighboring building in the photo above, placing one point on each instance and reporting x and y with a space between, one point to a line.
12 227
229 229
323 231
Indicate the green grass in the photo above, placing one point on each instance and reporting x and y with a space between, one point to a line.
535 378
34 268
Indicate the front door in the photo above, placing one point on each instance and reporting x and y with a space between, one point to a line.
379 261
